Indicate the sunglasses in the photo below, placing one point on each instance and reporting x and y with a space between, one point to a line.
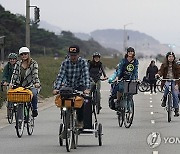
72 49
25 53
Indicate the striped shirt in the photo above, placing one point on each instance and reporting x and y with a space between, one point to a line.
73 74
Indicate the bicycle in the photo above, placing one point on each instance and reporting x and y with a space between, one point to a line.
68 101
22 97
169 108
125 110
11 107
94 93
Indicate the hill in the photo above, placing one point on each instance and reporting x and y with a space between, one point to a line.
42 41
114 38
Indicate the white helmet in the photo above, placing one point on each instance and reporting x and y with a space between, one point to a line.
24 50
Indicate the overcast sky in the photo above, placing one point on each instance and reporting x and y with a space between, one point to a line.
158 18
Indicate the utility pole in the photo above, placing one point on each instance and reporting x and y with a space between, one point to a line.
125 37
28 23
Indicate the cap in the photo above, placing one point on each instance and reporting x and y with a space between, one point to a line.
74 50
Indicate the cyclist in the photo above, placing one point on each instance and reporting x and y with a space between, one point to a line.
25 74
170 70
74 73
7 72
96 70
127 70
151 71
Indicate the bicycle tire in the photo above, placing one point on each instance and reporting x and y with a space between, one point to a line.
61 129
158 85
20 120
10 115
30 120
97 103
129 113
100 134
169 105
120 117
143 87
68 130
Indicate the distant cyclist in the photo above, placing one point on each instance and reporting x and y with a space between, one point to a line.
127 70
96 71
26 75
8 68
170 70
74 73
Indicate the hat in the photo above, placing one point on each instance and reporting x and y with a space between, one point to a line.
74 50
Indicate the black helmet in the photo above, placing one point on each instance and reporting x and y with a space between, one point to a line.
96 54
130 49
170 53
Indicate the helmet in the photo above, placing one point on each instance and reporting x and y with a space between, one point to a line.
170 53
12 56
24 50
96 54
129 49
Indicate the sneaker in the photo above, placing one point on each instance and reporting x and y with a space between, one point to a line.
34 113
163 104
176 112
79 124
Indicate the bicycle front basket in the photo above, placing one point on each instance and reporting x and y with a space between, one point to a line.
19 95
130 87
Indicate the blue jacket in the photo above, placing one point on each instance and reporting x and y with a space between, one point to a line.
128 70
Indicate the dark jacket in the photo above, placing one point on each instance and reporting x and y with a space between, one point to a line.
164 70
7 72
96 70
151 72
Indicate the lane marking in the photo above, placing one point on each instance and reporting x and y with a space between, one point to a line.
150 101
152 113
155 152
153 121
151 106
150 97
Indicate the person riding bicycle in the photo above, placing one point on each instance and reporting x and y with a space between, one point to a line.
96 70
74 73
127 70
25 74
8 70
151 71
170 70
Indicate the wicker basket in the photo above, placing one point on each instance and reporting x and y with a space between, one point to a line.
75 102
19 95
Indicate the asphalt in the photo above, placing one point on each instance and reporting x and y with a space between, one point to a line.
42 105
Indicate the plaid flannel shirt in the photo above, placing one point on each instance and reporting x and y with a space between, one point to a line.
73 74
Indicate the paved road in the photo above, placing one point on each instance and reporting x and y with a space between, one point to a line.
149 117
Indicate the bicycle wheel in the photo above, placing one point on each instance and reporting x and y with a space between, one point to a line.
143 87
29 119
169 106
68 130
20 120
61 133
97 102
129 112
10 114
100 134
158 85
120 114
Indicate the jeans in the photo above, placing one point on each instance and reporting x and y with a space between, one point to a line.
174 93
34 99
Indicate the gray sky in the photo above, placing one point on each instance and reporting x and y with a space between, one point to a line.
158 18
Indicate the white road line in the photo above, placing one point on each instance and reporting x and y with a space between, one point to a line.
150 101
150 97
155 152
152 113
151 106
153 121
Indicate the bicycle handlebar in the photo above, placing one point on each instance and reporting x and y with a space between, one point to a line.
168 79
